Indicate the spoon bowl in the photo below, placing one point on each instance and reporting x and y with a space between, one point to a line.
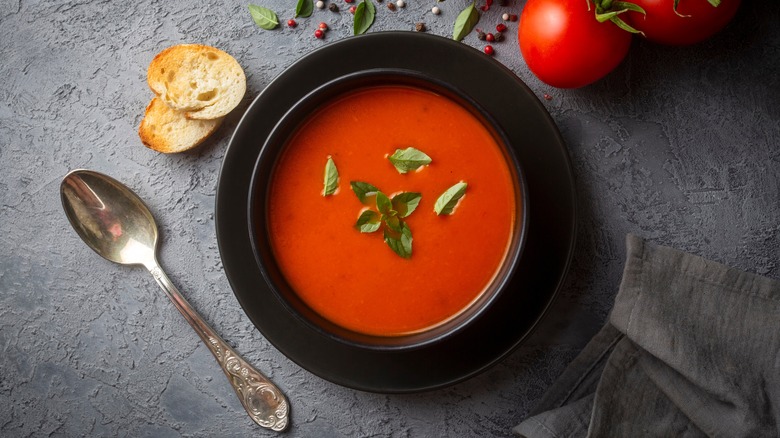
115 223
109 217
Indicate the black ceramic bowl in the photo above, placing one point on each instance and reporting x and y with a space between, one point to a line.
259 212
493 329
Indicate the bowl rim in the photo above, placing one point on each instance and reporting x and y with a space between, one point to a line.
273 147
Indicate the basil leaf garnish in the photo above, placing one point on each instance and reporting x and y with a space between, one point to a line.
264 17
467 19
394 223
406 202
363 190
383 203
368 222
364 17
408 159
304 8
449 199
400 243
331 179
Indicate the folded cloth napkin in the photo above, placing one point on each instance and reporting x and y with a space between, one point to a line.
692 348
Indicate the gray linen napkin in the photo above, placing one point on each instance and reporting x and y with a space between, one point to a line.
692 348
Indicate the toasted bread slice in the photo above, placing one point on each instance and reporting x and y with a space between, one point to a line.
167 130
203 81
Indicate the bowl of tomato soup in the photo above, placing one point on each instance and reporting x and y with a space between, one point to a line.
413 269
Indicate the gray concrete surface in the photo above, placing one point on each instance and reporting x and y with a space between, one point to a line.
678 145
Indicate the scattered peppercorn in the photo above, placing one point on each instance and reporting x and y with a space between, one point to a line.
499 37
320 4
323 26
420 27
391 6
505 17
490 37
291 23
349 1
481 35
319 34
352 9
500 27
547 96
400 3
333 7
512 17
503 2
435 10
489 50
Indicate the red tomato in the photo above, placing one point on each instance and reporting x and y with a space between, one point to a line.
699 21
565 46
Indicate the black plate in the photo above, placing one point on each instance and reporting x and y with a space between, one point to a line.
538 147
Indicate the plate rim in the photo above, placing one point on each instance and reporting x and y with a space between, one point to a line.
235 268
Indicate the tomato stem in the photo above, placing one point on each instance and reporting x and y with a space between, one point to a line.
609 10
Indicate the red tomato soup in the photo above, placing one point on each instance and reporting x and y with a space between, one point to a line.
354 279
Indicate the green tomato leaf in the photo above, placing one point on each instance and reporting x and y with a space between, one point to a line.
363 190
304 8
467 19
368 222
264 17
331 178
400 242
449 199
409 159
364 17
383 203
406 202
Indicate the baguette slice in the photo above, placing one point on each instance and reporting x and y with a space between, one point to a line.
167 130
203 81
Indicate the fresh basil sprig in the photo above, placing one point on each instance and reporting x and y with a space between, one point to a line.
408 159
449 199
304 8
364 17
389 213
331 178
264 17
467 19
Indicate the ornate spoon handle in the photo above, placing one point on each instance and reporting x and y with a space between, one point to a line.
263 401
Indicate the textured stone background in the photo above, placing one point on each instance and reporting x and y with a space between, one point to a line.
678 145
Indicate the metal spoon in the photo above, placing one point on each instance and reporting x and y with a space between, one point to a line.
115 223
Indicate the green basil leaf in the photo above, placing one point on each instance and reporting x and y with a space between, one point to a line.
449 199
383 203
363 190
304 8
406 202
264 17
364 17
409 159
467 19
400 243
394 223
331 179
368 222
